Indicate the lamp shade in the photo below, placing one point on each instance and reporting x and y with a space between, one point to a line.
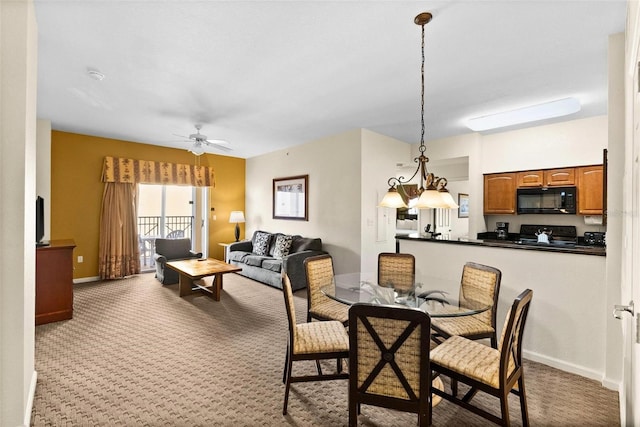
392 199
436 199
236 216
447 198
430 199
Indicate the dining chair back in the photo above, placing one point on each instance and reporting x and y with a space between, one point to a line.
319 271
493 371
389 360
397 271
311 341
479 284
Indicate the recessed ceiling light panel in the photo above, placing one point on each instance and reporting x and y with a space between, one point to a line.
548 110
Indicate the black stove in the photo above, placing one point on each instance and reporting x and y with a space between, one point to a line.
563 236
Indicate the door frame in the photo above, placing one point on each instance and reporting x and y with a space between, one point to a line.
630 284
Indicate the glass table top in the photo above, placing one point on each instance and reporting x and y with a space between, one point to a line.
352 288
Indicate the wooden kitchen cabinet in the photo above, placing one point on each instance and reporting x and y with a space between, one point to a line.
500 193
560 177
590 185
547 178
530 179
54 282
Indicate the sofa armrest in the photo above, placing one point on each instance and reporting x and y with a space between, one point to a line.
244 246
160 259
293 265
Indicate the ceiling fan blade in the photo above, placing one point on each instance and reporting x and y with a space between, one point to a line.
220 144
181 136
216 141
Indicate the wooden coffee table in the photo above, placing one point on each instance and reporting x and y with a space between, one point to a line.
192 271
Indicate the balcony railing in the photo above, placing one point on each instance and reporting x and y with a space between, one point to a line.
150 228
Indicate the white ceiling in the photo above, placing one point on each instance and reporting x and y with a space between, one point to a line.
266 75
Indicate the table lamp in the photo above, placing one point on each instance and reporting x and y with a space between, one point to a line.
237 217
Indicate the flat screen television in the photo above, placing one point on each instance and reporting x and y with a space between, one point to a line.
40 222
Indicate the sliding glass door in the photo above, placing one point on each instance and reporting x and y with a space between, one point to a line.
170 211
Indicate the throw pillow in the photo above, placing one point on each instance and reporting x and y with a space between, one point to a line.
282 246
261 243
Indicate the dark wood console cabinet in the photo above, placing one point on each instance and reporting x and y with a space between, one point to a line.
54 281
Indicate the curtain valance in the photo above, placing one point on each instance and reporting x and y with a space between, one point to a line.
132 171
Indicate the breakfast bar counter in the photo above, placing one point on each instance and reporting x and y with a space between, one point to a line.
567 323
576 249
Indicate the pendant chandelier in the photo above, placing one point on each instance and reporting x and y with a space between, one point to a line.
433 190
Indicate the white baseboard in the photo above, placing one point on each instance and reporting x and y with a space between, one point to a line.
571 368
32 394
86 279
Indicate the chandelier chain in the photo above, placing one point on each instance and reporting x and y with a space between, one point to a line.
422 147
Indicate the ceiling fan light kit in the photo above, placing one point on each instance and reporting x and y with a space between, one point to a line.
200 140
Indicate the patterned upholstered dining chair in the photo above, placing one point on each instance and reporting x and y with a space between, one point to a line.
486 369
479 283
389 360
397 271
311 341
319 270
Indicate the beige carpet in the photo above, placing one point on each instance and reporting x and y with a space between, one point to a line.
136 354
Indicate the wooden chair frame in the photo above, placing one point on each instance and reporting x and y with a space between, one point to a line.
392 257
510 349
314 293
419 401
440 335
290 357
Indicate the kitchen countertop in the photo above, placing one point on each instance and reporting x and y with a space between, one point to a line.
578 249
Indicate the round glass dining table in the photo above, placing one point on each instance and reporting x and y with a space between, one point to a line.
352 288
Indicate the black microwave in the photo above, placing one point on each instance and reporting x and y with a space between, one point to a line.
551 200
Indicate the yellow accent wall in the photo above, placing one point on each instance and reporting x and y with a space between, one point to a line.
76 190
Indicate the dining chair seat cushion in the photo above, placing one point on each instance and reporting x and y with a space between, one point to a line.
320 337
330 309
470 358
465 325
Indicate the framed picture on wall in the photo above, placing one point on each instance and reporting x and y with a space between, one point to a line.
291 198
463 205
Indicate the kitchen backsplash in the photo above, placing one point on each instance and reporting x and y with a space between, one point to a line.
516 220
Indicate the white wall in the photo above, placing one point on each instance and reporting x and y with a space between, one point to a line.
334 168
43 171
570 143
379 156
18 78
347 178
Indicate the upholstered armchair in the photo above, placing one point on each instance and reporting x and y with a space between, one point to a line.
171 250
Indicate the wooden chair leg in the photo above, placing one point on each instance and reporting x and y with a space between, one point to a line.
454 387
354 411
339 367
284 371
287 385
318 367
523 403
504 407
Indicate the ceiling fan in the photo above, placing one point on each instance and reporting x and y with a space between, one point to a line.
200 140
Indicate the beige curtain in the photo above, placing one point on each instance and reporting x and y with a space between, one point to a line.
119 252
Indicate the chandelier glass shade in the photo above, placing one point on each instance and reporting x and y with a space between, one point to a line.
432 191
